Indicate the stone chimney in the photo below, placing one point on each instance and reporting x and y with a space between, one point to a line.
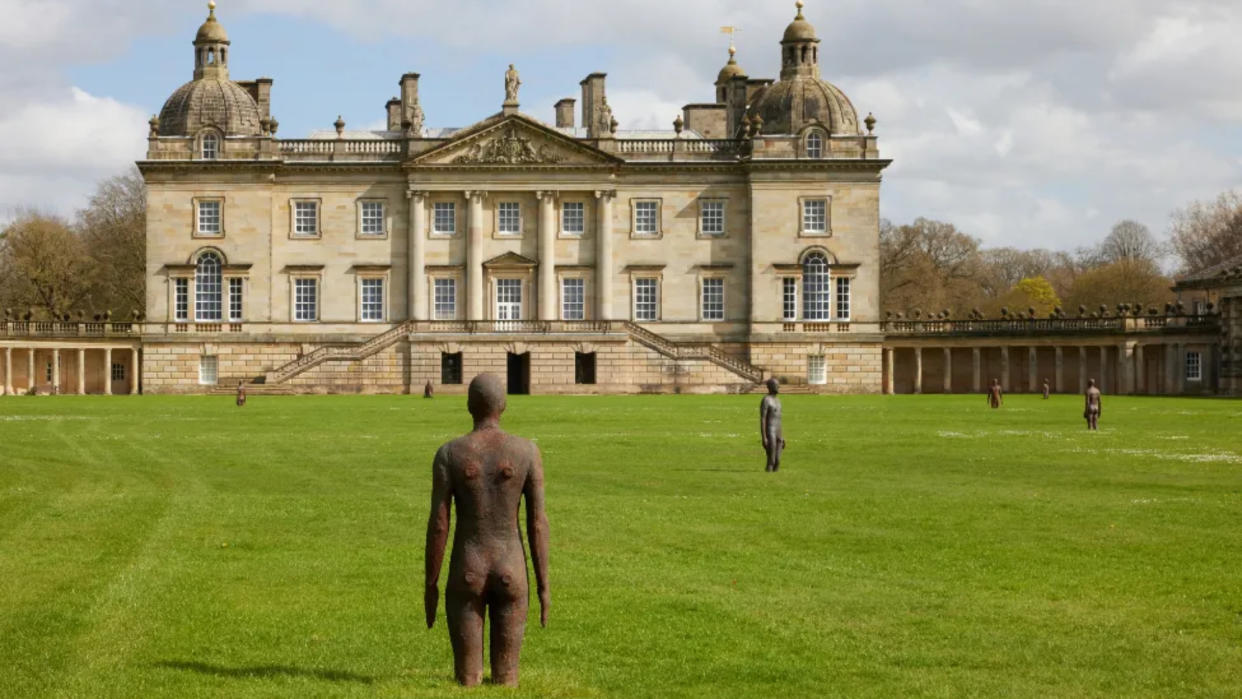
565 113
394 114
263 95
594 111
409 95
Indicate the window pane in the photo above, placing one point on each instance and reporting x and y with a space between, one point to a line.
790 296
509 218
211 147
372 299
843 298
573 299
207 283
445 299
445 218
815 146
372 218
713 299
712 213
306 218
305 299
1194 366
646 217
182 301
815 295
118 371
646 304
209 218
508 299
815 215
235 300
573 217
207 371
816 369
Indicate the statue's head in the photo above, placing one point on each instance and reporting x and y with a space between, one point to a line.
486 397
1090 383
773 386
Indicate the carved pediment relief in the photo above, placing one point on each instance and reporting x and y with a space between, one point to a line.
510 260
514 141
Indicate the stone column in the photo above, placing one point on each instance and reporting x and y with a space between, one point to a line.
918 370
976 383
1082 368
417 229
134 372
948 369
547 255
1139 370
1032 369
1179 369
474 256
107 371
1005 368
30 375
889 364
81 372
603 255
8 371
56 372
1103 367
1059 386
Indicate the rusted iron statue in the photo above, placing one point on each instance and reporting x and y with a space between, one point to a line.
770 426
1047 389
996 396
486 473
241 394
428 390
1092 405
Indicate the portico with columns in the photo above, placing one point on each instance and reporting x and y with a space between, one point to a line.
66 366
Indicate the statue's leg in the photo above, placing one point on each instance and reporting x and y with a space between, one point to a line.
507 611
464 610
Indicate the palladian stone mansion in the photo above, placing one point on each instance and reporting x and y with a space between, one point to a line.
571 257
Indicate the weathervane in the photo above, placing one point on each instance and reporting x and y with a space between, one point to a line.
731 31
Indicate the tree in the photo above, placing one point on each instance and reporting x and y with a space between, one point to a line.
45 265
114 228
1032 293
1129 240
927 264
1208 233
1125 281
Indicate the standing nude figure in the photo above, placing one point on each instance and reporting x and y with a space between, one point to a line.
1047 389
996 396
428 390
770 426
486 473
241 394
1093 405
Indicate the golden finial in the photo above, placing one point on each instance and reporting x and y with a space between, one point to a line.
799 5
211 8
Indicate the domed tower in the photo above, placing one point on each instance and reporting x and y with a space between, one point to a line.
211 106
801 102
730 71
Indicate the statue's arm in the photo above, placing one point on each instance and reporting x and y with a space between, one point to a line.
537 532
763 422
437 533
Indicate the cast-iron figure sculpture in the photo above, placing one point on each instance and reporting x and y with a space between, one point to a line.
241 394
996 396
1093 405
1047 389
486 473
770 426
428 390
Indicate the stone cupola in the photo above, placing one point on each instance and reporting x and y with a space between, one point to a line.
211 48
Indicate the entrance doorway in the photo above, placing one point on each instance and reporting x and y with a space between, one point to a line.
519 374
508 299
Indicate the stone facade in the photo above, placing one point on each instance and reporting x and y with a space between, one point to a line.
713 255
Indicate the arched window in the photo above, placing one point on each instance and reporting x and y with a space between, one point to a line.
211 146
207 283
815 288
814 145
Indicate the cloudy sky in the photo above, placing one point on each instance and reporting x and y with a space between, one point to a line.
1034 123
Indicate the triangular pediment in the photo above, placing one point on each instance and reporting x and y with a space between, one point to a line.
510 259
513 140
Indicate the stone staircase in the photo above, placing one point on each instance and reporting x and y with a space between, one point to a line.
228 387
357 352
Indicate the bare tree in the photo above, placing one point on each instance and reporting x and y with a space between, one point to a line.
114 229
45 266
1208 233
1128 240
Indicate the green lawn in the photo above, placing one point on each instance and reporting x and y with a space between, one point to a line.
160 546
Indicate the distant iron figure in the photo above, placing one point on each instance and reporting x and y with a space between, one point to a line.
429 391
996 395
770 426
1093 405
1047 389
241 394
486 473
